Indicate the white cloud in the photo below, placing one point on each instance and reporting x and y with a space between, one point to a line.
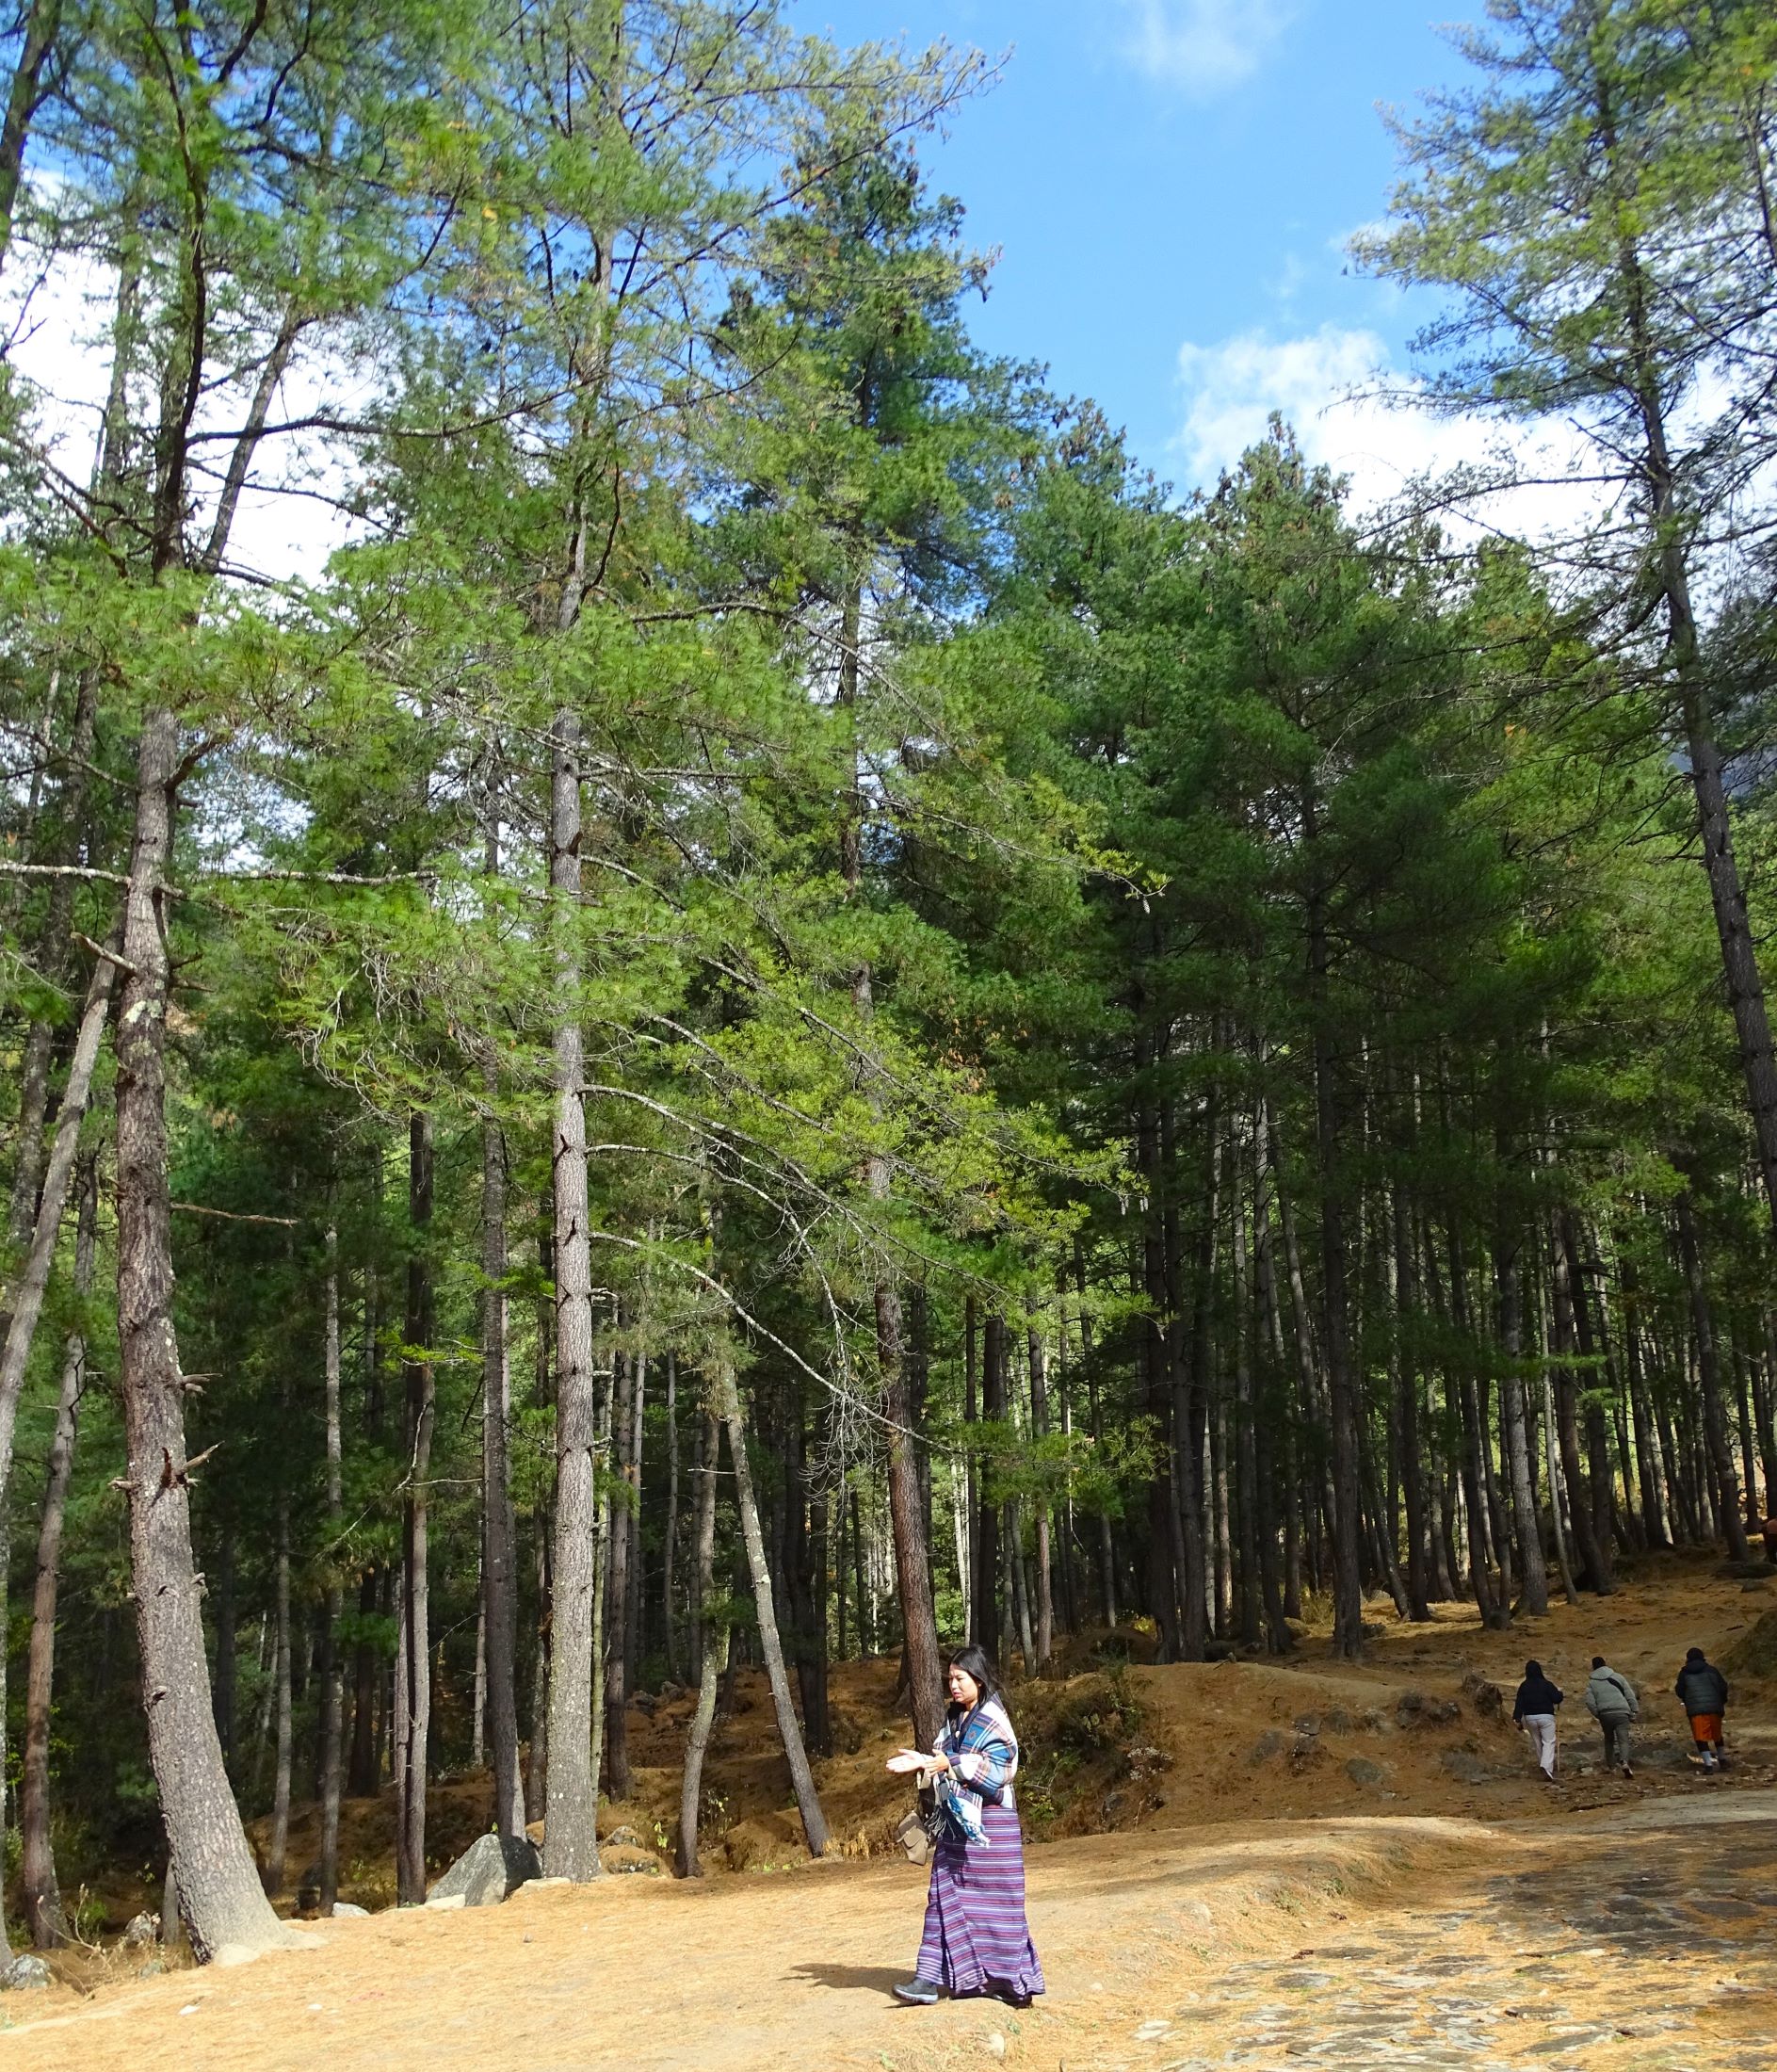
1355 412
1202 47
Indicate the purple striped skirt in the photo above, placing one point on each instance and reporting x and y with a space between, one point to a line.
977 1940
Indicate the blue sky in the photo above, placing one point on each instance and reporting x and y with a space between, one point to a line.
1170 183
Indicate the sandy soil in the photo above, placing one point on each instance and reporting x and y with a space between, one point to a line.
1379 1887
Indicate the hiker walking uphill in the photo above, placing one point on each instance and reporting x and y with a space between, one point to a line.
976 1937
1534 1711
1612 1700
1702 1691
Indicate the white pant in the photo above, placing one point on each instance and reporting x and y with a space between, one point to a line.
1540 1728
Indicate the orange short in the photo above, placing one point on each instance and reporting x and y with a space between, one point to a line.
1705 1726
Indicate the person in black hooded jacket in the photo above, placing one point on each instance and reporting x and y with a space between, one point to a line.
1702 1691
1535 1713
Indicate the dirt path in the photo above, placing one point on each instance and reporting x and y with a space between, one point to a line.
1645 1943
1641 1941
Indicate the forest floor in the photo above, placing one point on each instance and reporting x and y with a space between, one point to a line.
1295 1864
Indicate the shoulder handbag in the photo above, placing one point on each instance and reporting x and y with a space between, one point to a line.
922 1827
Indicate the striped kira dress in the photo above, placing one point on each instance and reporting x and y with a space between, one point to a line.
977 1940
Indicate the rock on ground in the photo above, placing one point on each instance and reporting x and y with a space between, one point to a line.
23 1972
486 1872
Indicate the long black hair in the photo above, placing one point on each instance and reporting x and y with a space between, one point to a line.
972 1662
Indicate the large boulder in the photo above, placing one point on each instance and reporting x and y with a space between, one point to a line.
486 1872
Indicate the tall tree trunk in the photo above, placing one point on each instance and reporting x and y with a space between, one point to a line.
56 962
866 1608
24 1302
361 1774
1186 1371
617 1591
1495 1612
40 26
1273 1575
280 1674
1715 1434
1647 1438
986 1624
1039 1431
366 1727
802 1777
907 1512
219 1892
1668 563
1593 1352
1019 1587
1245 1426
802 1554
1508 1294
499 1528
712 1635
1762 1405
1348 1587
1165 1578
972 1506
332 1686
416 1724
1107 1551
669 1624
1594 1564
571 1848
44 1916
537 1756
1407 1408
1569 1588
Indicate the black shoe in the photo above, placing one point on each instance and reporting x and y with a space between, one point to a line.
1628 1771
918 1992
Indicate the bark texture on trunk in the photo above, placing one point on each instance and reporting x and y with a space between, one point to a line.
25 1301
416 1711
714 1635
44 1916
907 1518
280 1675
571 1845
218 1886
623 1522
1531 1566
333 1683
1594 1563
1348 1585
1715 1432
1038 1430
802 1777
986 1564
499 1526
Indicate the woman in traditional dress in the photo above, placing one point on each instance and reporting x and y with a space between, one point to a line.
977 1940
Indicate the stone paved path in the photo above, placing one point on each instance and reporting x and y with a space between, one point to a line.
1648 1944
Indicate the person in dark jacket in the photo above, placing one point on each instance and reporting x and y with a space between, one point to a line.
1702 1691
1535 1713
